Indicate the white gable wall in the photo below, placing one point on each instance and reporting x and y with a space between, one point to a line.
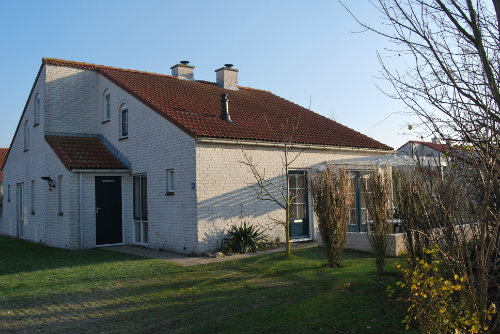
224 195
41 223
419 150
153 146
71 94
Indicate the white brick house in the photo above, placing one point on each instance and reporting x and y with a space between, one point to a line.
130 157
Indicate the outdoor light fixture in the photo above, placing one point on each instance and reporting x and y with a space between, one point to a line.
49 180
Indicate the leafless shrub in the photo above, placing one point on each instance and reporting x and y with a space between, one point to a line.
331 204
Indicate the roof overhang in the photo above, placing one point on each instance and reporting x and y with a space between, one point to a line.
209 140
107 171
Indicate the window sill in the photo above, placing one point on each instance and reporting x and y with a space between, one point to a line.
60 214
123 138
105 121
170 193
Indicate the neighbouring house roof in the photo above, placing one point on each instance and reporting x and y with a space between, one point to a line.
3 156
443 148
76 152
194 106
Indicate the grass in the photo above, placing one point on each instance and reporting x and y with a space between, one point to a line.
47 290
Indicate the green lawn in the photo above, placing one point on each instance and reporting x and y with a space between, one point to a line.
47 290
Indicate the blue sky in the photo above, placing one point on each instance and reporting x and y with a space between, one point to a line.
308 52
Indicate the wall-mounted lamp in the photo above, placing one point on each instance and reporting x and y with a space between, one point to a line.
49 180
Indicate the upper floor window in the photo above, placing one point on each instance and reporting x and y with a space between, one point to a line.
106 105
36 110
26 136
123 121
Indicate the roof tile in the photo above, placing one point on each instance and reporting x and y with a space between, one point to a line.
83 153
3 156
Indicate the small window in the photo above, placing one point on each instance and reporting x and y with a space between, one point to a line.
123 121
26 136
32 197
59 196
36 111
106 106
170 182
8 193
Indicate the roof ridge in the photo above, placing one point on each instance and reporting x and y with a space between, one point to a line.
55 61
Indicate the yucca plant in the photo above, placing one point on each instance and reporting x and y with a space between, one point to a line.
244 238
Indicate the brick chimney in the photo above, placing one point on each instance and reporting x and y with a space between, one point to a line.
183 70
227 77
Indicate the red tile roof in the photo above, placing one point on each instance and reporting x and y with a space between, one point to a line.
83 153
194 106
3 156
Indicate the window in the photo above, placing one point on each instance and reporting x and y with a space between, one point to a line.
140 209
8 193
123 121
26 136
20 209
59 196
359 216
36 111
106 106
32 197
170 182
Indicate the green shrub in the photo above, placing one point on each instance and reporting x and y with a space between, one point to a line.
243 239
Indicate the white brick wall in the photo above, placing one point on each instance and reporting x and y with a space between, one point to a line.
72 103
23 167
153 146
224 194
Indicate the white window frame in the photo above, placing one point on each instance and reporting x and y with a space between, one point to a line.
26 136
140 220
32 197
21 219
36 110
124 121
170 181
106 105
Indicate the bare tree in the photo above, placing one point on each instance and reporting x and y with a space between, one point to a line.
452 85
277 189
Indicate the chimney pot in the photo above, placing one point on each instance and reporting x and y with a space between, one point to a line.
227 77
224 108
183 70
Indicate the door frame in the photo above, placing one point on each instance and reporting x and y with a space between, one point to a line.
309 207
122 209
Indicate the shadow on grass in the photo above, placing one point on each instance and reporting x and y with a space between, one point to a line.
18 256
262 294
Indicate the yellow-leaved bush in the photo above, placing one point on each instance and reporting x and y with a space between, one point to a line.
437 303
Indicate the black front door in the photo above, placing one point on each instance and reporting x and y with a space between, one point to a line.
108 208
299 215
